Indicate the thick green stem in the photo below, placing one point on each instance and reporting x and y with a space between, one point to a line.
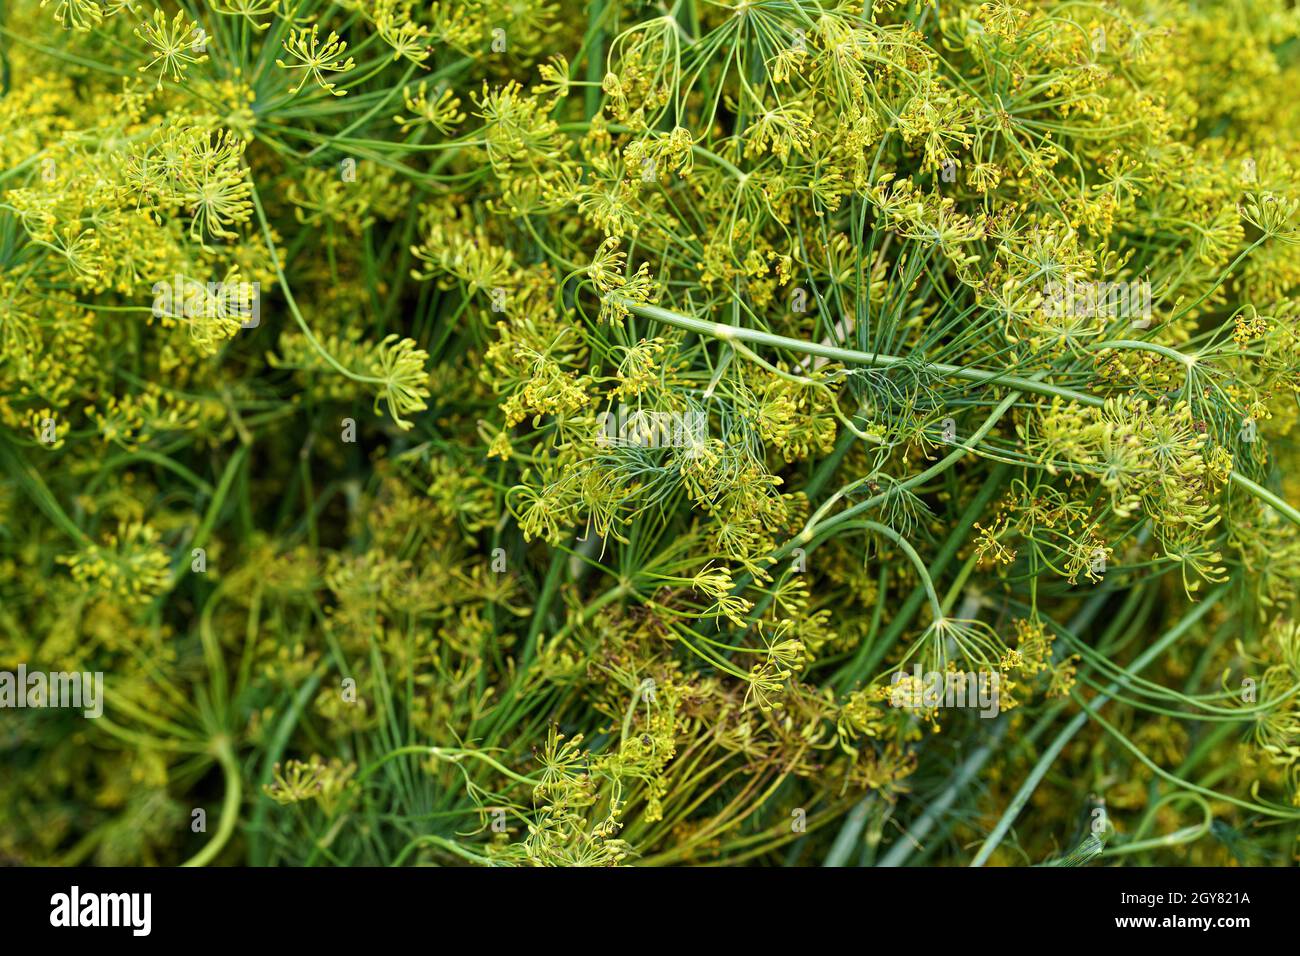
852 356
229 806
983 376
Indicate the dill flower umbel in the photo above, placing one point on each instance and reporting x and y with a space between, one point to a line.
316 57
507 432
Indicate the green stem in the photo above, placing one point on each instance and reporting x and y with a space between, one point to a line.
728 333
1076 724
229 806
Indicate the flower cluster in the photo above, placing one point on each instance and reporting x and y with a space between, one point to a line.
961 337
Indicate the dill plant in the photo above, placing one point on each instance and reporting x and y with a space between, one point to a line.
370 584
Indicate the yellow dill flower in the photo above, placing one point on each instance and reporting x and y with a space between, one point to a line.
402 373
176 45
316 58
442 113
249 9
77 14
129 565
